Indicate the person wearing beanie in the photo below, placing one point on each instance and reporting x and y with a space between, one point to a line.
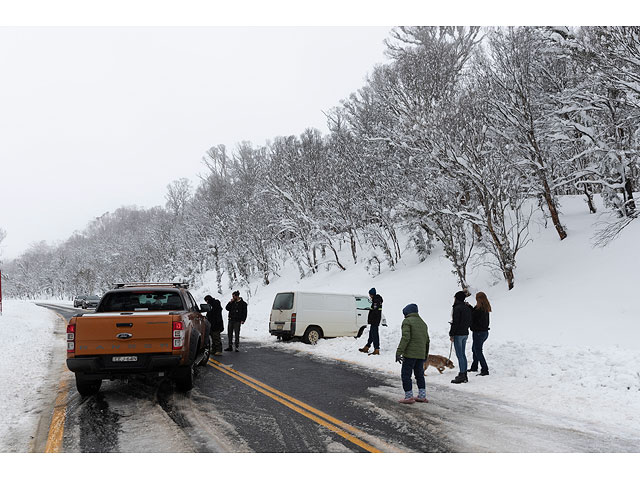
214 316
412 351
375 315
237 309
459 332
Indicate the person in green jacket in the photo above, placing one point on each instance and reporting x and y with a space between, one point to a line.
412 352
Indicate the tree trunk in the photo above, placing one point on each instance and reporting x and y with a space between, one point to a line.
553 210
352 238
629 204
589 194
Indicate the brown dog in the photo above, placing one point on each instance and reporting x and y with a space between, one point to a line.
439 362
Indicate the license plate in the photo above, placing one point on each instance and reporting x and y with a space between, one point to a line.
125 359
279 327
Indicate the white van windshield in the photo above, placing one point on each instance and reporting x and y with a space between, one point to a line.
283 301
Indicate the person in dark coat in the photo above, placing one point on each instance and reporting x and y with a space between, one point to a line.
480 329
237 309
214 315
459 333
375 315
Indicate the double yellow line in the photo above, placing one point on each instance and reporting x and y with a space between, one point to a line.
344 430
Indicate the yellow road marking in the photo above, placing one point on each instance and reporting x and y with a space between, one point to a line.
302 408
56 429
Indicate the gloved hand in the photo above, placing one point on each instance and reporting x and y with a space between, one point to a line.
399 358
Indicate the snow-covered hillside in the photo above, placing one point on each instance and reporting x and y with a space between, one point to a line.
565 339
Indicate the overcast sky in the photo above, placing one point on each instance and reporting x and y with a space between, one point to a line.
96 118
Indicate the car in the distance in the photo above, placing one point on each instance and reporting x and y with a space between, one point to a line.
90 301
77 300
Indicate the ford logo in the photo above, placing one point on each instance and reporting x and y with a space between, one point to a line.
124 335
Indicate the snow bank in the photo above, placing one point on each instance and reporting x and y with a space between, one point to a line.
26 343
564 340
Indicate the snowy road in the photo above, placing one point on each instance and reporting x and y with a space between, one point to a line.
264 399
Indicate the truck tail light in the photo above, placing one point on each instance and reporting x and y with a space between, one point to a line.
293 318
71 338
178 335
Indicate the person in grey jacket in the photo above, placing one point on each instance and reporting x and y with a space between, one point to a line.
412 351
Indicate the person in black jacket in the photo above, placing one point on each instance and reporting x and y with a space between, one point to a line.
375 315
237 309
459 332
480 329
217 325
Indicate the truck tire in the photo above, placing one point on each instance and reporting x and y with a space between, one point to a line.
206 352
312 335
184 377
87 387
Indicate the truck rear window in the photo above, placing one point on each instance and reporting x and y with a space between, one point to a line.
283 301
140 301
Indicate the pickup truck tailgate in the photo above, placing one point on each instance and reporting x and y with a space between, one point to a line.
124 333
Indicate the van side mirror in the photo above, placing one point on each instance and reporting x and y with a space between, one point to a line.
205 307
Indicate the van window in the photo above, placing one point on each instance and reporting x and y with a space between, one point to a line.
283 301
363 303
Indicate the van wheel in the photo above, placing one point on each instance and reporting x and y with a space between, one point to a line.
87 387
312 335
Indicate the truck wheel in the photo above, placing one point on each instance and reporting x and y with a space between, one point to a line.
312 335
87 387
184 377
206 353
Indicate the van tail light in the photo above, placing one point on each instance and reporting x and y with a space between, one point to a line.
71 338
178 335
293 318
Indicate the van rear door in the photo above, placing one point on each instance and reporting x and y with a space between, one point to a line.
283 308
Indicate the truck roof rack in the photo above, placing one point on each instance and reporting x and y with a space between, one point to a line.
151 284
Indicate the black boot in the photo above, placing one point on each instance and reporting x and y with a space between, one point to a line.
228 349
483 373
473 368
461 378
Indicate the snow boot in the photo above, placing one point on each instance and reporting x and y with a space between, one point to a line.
461 378
375 352
422 396
364 349
408 398
483 373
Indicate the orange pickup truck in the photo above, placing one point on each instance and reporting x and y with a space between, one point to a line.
139 328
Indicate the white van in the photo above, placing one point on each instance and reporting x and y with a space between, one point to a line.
311 315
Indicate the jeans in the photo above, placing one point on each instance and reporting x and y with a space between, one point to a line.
460 343
478 340
234 327
415 366
374 336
